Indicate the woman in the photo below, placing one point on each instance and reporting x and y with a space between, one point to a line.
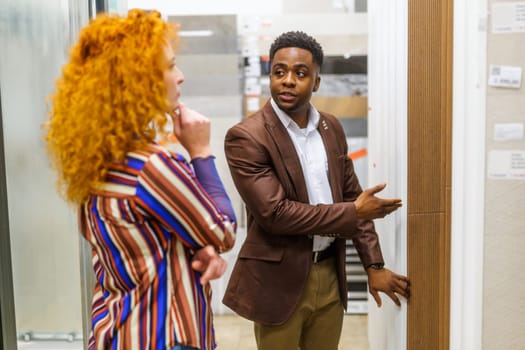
156 223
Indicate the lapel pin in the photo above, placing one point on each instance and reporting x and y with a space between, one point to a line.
324 125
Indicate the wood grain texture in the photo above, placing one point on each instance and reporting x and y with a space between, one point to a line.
429 172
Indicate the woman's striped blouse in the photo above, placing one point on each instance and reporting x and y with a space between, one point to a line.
150 217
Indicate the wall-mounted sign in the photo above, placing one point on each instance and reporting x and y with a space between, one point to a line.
505 76
508 131
508 17
506 164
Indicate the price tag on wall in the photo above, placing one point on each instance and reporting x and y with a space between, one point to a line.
508 17
505 76
506 164
508 131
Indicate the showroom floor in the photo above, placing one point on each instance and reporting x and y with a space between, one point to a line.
236 333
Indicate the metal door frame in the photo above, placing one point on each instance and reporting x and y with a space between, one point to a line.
7 302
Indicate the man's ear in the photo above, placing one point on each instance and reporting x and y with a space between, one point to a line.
317 83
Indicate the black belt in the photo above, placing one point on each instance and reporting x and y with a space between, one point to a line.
324 254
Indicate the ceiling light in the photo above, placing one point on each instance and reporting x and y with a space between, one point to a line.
195 33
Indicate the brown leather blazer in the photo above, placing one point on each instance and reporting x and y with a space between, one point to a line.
275 259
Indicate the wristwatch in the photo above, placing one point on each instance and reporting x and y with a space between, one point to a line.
377 266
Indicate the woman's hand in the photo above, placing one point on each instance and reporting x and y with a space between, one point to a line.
192 129
209 262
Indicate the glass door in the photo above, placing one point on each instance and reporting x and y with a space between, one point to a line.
40 290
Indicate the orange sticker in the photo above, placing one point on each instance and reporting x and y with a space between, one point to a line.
358 154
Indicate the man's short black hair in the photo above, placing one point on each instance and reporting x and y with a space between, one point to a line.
301 40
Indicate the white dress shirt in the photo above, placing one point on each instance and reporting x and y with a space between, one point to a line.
312 154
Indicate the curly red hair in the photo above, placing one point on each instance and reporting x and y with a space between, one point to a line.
110 99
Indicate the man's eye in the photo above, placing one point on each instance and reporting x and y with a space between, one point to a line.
301 74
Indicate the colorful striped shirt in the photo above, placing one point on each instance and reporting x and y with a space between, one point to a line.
145 225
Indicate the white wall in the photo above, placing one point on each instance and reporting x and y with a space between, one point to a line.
387 150
503 320
468 174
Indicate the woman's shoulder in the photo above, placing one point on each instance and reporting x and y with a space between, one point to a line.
155 150
137 159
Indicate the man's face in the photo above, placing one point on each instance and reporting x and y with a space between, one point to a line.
294 76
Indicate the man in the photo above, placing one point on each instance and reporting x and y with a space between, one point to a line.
303 200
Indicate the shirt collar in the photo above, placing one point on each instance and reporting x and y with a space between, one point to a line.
288 122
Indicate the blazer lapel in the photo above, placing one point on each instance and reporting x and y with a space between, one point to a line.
332 153
287 152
